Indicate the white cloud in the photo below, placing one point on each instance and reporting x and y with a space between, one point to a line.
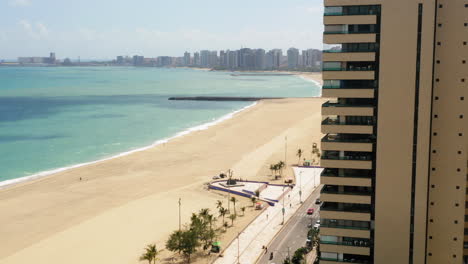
42 29
20 2
36 31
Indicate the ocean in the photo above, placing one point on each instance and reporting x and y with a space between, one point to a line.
54 118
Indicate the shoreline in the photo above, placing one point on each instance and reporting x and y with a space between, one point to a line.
13 182
125 203
312 77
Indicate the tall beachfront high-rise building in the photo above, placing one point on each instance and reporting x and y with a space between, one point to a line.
196 59
293 58
395 150
187 60
205 58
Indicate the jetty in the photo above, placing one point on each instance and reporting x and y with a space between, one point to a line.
221 98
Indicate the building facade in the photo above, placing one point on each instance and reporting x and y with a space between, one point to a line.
395 150
293 58
187 59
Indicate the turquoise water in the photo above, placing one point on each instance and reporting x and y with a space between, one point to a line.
58 117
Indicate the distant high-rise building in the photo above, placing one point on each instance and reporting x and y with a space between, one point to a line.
120 60
138 60
196 59
260 59
187 61
213 62
164 61
205 58
52 58
293 58
232 59
243 57
223 58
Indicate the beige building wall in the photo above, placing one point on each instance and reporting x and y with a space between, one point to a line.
421 148
447 191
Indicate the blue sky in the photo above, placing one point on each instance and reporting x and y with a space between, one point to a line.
102 29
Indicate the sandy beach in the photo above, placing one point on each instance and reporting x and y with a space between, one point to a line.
121 205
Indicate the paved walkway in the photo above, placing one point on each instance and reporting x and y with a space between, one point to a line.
260 232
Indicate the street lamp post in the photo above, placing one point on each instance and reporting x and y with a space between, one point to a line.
285 150
238 248
179 215
300 186
283 210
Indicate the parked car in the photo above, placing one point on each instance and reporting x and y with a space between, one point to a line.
215 177
316 226
318 201
310 211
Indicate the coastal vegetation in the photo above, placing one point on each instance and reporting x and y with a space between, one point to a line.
277 169
299 155
201 234
150 254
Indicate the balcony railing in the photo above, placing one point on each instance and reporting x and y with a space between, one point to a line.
344 227
354 243
344 87
349 50
331 173
348 69
328 104
353 209
351 13
331 121
338 139
362 193
357 157
350 32
346 260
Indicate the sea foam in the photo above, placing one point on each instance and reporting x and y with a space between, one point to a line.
201 127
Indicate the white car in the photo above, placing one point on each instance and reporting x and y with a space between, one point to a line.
316 226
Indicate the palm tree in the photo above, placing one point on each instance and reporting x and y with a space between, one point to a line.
225 225
234 200
146 256
150 254
232 217
272 169
299 154
254 200
219 204
204 212
222 212
280 167
243 210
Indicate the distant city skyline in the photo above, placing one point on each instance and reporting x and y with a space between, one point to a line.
102 30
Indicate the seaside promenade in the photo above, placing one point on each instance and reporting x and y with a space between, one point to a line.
248 246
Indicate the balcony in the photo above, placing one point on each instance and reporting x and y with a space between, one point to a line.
334 177
332 193
361 126
348 56
344 231
356 212
324 260
347 142
356 10
347 109
352 161
338 92
345 247
347 74
338 19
